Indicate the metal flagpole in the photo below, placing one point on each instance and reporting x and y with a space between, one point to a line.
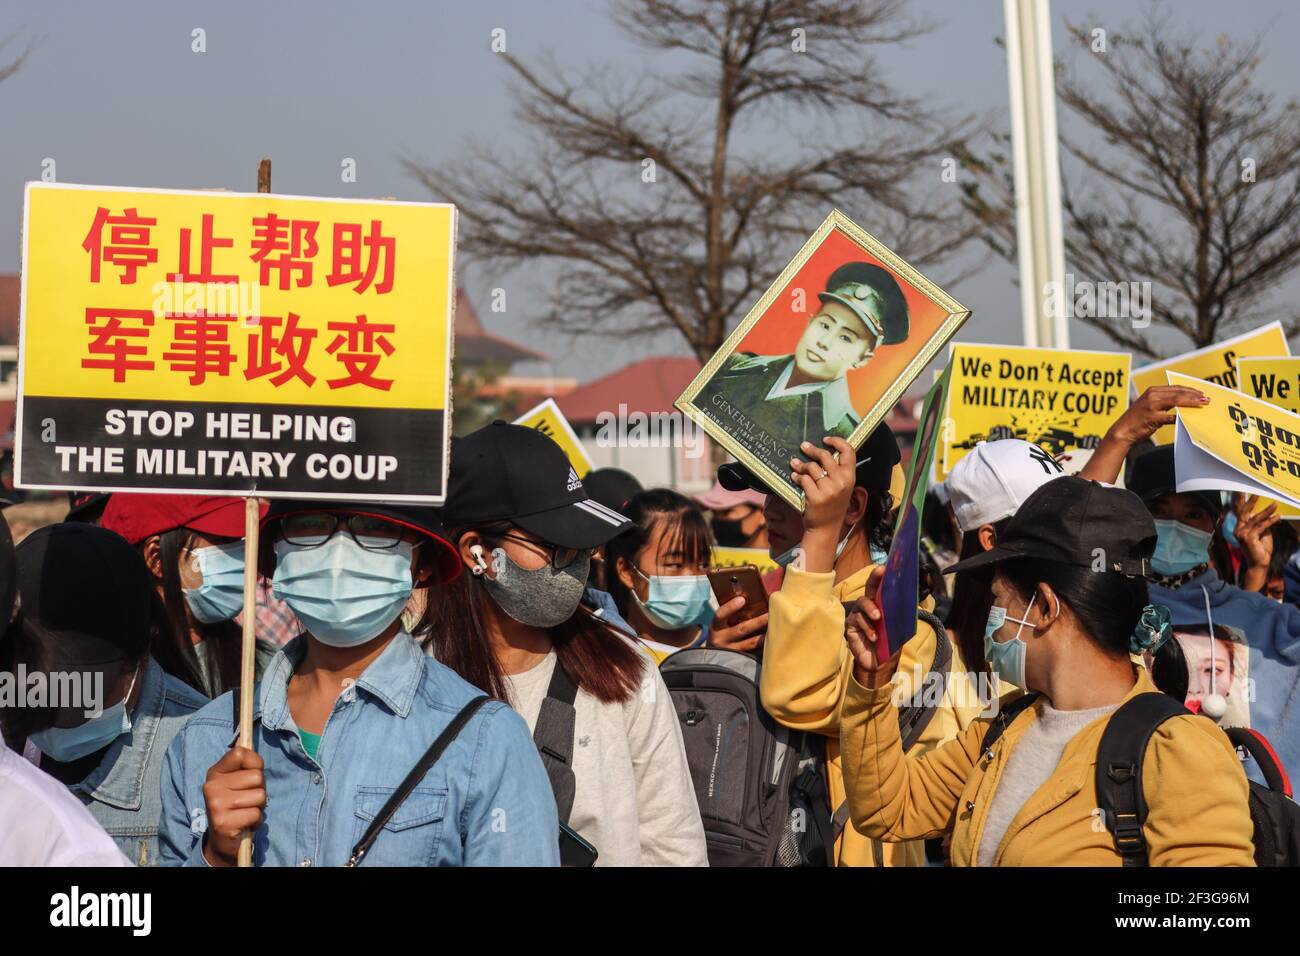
1037 171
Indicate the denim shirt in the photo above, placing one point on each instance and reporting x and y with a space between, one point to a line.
122 793
486 802
602 603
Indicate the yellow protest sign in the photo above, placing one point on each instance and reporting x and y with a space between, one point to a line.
1215 363
734 557
550 421
1275 379
1236 443
211 342
1059 399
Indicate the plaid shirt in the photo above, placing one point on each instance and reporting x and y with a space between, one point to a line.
276 623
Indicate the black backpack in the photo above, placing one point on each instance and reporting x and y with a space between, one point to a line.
761 787
1119 779
1273 811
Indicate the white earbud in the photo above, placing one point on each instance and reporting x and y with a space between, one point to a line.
477 551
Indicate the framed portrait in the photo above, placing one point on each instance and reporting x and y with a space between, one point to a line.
828 349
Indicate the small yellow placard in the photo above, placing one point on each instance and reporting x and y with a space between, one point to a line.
1238 443
1216 364
550 421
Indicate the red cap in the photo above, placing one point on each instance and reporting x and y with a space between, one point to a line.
139 516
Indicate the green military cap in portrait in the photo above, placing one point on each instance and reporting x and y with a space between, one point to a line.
874 296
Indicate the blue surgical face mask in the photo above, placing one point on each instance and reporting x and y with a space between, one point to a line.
221 595
343 593
1229 527
676 601
66 744
1006 657
1179 547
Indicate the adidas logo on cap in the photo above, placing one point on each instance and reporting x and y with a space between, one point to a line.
574 481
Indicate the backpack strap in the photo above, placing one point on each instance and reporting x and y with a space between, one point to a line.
553 735
1005 716
913 720
1254 743
839 820
1119 769
450 733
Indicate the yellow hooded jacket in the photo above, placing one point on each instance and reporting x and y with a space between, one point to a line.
1192 780
807 669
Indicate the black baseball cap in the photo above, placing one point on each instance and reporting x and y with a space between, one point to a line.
422 519
875 465
85 589
1075 521
505 472
86 506
1152 476
612 487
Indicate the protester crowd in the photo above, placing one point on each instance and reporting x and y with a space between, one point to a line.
562 642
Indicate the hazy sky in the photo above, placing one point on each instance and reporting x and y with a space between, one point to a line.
115 96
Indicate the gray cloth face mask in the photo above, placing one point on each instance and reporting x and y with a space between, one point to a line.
541 598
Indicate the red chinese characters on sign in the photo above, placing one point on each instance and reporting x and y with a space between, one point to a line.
277 347
115 344
292 345
128 244
200 345
208 242
364 341
294 239
348 248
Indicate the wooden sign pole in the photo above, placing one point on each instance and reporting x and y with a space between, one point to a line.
248 657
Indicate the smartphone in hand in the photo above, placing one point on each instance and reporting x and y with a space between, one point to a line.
743 580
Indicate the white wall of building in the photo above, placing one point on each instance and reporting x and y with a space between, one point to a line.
688 470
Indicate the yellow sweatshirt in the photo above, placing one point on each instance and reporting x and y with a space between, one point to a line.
1193 783
806 672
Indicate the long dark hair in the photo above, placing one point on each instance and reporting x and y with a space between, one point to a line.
879 524
936 522
598 657
1285 542
688 532
172 646
1107 604
972 596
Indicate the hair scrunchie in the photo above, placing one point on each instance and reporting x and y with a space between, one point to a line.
1152 630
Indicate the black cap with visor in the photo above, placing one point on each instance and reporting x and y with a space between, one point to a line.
510 473
1074 521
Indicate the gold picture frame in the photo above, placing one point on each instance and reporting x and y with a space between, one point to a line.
837 243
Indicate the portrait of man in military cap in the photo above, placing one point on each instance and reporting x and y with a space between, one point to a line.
826 351
805 395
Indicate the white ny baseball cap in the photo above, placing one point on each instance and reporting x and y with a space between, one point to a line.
992 481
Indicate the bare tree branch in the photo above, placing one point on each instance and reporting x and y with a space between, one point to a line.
1192 180
661 208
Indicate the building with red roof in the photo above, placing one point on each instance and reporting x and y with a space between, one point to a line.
626 419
